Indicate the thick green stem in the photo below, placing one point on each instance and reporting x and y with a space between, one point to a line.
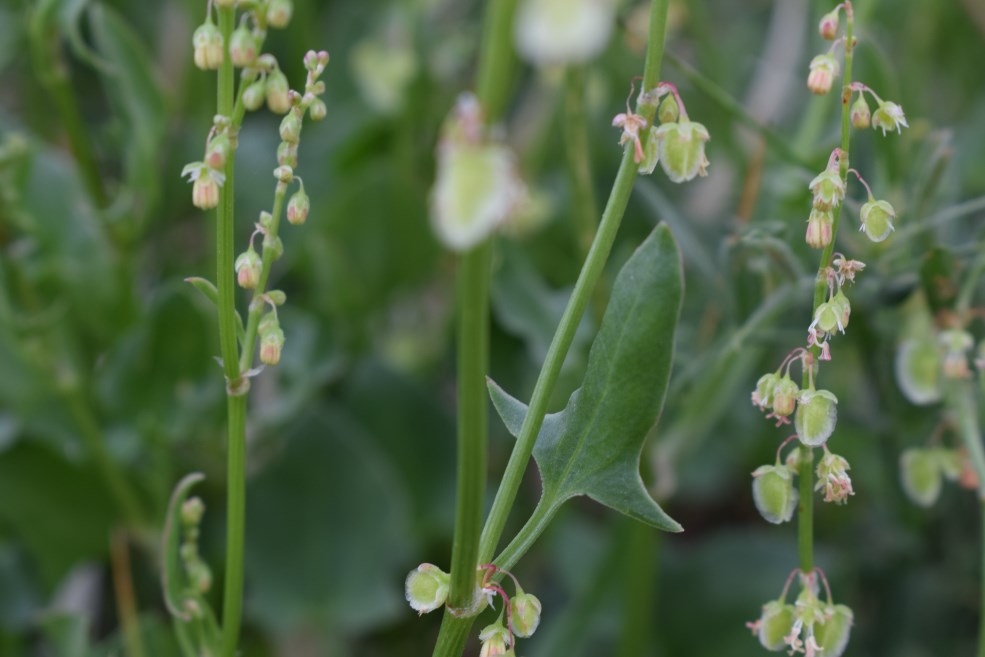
805 511
232 607
473 335
587 279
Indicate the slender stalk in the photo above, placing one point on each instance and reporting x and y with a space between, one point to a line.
805 510
126 601
232 607
587 279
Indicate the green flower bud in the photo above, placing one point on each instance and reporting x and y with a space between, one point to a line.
279 13
287 154
785 396
669 110
290 127
207 43
833 633
254 94
889 116
816 417
217 151
774 624
192 511
317 110
495 640
763 395
242 47
248 269
278 96
773 493
682 150
200 575
271 339
918 371
524 614
426 588
828 189
860 113
297 207
877 219
920 474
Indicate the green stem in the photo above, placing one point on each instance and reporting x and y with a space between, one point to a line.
473 361
232 608
587 279
971 281
584 205
805 510
473 335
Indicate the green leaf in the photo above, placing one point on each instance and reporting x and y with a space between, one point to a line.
206 287
593 446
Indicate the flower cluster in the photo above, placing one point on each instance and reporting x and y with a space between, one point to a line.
810 626
678 144
427 586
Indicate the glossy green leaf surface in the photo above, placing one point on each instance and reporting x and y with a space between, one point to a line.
593 446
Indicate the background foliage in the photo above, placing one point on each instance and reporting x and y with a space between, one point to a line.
108 385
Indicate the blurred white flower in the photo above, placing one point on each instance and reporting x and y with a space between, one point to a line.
563 31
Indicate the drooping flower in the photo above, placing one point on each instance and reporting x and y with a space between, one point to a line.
823 71
889 116
426 588
833 479
877 219
682 149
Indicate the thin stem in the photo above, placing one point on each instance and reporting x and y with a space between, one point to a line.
584 204
232 607
473 333
126 601
805 515
587 279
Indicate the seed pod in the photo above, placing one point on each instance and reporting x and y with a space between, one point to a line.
877 219
774 624
833 634
773 493
920 474
682 150
524 614
816 417
426 588
918 371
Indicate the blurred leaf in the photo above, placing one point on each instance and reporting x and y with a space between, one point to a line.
67 634
327 531
20 599
62 512
939 278
593 446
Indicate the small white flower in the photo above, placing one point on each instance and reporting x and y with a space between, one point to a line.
563 31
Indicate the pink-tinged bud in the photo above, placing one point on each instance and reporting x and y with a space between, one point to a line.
217 152
762 396
284 174
889 116
316 61
819 229
828 26
317 110
279 13
290 127
297 207
278 98
860 113
823 70
524 614
205 191
495 640
242 47
785 396
208 46
248 268
287 154
271 339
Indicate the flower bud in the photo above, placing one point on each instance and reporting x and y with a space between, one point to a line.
200 575
207 42
278 98
682 150
785 396
651 153
816 417
426 588
669 111
819 229
242 47
762 396
828 189
248 269
205 190
217 151
774 624
823 70
284 174
495 640
828 26
834 630
920 474
833 479
287 154
889 116
524 614
279 13
877 219
773 493
297 207
192 511
317 110
271 343
254 95
918 369
290 127
860 113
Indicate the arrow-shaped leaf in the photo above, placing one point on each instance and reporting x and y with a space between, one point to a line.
593 446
